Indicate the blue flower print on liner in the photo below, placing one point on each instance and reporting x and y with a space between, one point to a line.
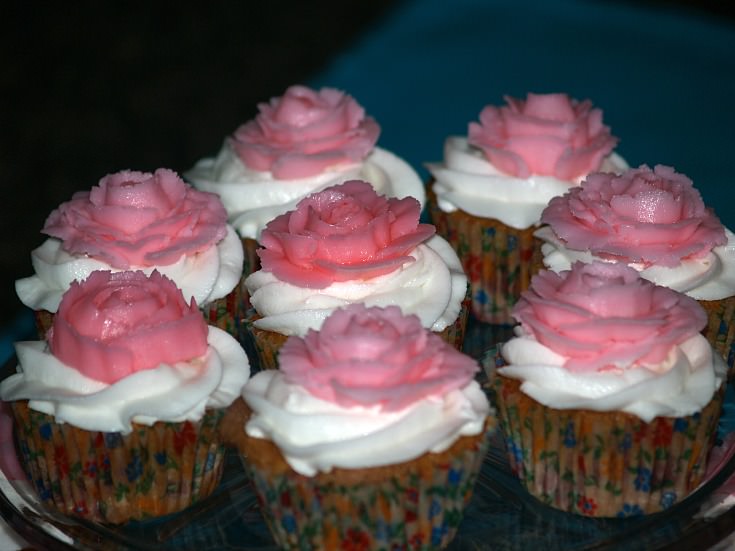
45 431
630 510
643 480
668 499
454 476
160 458
289 523
680 424
627 442
481 297
569 439
134 469
113 440
438 533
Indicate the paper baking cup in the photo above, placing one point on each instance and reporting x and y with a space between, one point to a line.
498 260
110 477
603 464
720 330
414 505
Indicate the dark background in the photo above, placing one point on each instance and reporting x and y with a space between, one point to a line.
93 88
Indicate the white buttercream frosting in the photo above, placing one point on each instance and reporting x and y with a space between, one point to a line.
711 277
253 198
432 287
205 276
682 385
171 393
467 181
316 436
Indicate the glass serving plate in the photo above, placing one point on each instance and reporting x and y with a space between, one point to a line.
501 515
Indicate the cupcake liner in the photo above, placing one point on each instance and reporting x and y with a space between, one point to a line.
251 263
110 477
418 504
498 260
604 464
720 330
226 312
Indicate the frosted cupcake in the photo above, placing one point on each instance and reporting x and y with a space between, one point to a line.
139 221
656 222
348 244
299 143
610 398
117 416
372 431
486 197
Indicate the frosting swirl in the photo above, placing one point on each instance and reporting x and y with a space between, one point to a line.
547 134
138 219
604 315
600 337
369 356
641 216
343 233
370 408
114 324
305 132
126 348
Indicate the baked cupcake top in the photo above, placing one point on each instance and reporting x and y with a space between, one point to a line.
136 221
600 337
125 347
654 220
520 155
371 388
299 143
348 244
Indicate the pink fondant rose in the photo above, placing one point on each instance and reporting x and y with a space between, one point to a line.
374 357
305 132
604 315
345 232
642 216
137 219
114 324
547 134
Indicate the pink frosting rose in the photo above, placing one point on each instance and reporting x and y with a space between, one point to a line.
114 324
604 314
139 219
642 216
374 356
345 232
547 134
305 132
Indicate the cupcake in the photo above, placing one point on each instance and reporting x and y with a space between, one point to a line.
656 222
609 398
117 415
299 143
348 244
486 197
139 221
371 433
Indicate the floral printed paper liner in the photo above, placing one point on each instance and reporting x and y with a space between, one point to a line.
413 505
604 464
720 330
498 260
109 477
268 343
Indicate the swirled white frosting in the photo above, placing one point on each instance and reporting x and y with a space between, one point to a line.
711 277
682 385
467 181
206 276
431 287
253 198
172 393
316 436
